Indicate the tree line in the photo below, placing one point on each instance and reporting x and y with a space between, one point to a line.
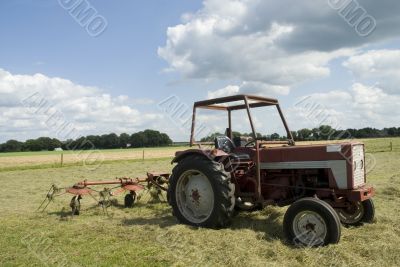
147 138
324 132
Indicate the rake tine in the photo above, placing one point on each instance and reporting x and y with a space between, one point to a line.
38 209
48 203
44 198
142 198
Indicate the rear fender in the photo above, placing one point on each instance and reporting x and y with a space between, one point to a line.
209 154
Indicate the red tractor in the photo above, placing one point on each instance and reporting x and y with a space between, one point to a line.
325 185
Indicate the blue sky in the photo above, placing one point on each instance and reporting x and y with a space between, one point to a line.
40 36
151 50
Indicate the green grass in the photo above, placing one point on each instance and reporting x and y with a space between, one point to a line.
46 153
78 163
149 235
382 144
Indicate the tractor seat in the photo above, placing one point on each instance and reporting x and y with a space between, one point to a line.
225 144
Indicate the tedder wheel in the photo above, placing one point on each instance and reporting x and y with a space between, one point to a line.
357 213
201 193
311 222
75 205
130 199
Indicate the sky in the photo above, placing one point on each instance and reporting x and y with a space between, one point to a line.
71 68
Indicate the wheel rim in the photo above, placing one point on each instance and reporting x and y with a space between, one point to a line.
309 228
352 215
195 196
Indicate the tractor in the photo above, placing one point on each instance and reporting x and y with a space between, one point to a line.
324 185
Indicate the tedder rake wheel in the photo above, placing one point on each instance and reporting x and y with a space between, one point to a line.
311 222
357 213
76 205
201 193
130 199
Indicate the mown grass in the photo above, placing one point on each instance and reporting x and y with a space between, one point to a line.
382 144
89 165
46 153
149 235
38 160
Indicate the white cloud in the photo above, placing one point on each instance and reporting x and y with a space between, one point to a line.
202 49
382 66
226 91
87 108
358 107
252 88
263 89
267 41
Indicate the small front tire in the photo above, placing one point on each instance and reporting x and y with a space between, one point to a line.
357 213
369 211
311 222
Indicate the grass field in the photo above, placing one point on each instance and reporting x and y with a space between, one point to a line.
46 159
149 235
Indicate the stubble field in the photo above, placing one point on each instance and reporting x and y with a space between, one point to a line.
149 235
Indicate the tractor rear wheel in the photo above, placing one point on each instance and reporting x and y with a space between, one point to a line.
201 193
357 213
311 222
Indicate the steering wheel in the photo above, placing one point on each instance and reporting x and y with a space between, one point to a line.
251 142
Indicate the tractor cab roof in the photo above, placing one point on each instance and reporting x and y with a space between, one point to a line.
238 102
235 102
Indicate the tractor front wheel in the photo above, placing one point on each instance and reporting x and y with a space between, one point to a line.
311 222
201 193
357 213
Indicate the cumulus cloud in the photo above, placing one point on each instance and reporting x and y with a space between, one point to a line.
29 102
381 66
359 106
268 41
255 88
226 91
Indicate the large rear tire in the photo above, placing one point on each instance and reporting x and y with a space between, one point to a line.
311 222
201 193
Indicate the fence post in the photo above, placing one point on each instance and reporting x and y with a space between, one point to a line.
391 146
143 155
62 159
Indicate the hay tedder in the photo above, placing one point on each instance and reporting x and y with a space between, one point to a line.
154 184
324 185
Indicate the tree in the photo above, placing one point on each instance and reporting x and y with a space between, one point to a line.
124 139
326 132
94 141
111 141
165 140
294 134
211 137
152 138
138 139
304 134
32 145
275 136
12 146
